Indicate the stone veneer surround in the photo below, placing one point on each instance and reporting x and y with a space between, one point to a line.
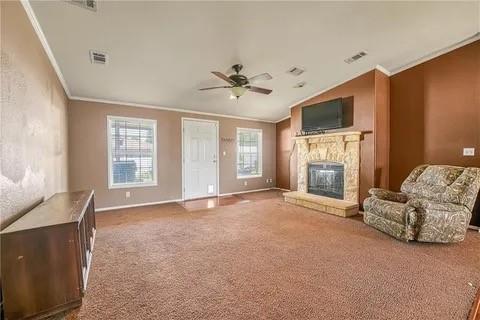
341 147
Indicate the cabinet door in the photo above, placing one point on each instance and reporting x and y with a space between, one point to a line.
39 270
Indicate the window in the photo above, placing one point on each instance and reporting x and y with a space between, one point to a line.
249 153
132 157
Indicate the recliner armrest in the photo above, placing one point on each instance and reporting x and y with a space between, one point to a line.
388 195
436 206
440 222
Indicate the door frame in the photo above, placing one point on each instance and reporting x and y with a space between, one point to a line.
183 154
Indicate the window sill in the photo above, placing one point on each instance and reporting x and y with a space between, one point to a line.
248 177
133 185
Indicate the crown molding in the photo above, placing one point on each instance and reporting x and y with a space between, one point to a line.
383 70
43 40
437 53
390 73
41 36
328 88
284 118
148 106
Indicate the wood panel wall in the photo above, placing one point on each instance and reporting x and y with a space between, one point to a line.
435 113
284 147
381 116
365 94
425 114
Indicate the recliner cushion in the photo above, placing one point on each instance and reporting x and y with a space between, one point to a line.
440 175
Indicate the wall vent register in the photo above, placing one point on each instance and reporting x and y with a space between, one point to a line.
355 57
97 57
86 4
296 71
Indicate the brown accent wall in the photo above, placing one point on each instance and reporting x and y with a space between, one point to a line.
361 92
284 146
435 113
33 119
88 153
381 116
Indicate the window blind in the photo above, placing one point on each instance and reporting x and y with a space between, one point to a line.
249 152
132 152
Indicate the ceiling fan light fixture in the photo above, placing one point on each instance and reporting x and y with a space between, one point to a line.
238 91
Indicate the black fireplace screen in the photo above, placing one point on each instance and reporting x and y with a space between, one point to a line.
326 179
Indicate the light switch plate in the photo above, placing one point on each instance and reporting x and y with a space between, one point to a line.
127 194
245 183
469 152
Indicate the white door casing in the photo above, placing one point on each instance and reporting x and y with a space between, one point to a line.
200 158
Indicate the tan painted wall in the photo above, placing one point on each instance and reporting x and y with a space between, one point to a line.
33 118
88 153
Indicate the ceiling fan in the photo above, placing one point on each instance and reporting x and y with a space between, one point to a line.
239 84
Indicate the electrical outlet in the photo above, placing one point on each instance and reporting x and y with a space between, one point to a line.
224 153
268 180
127 194
245 182
469 152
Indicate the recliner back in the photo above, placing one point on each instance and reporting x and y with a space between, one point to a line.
443 183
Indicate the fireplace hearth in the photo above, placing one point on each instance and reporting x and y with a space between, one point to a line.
325 178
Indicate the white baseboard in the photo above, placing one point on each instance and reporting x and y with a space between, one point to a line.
282 189
136 205
246 191
177 200
474 228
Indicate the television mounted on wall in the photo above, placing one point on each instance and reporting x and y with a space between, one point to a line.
323 116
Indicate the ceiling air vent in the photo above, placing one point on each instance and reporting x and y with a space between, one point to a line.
86 4
295 71
97 57
354 58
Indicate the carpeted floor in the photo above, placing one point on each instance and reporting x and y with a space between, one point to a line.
267 259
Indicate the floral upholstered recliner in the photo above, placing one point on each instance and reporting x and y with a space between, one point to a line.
435 204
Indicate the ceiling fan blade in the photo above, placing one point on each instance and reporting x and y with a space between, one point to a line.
259 90
260 77
210 88
223 77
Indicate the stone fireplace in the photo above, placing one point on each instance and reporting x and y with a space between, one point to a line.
340 147
328 172
326 179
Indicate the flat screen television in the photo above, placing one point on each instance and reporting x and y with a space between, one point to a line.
323 116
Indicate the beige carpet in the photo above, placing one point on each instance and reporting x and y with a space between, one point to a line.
270 260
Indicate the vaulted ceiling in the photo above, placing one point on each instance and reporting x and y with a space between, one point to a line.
161 53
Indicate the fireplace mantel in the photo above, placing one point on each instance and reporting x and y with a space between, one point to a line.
326 135
340 147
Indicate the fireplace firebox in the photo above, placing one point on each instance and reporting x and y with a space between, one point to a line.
326 179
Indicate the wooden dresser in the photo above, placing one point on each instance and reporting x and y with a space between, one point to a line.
46 256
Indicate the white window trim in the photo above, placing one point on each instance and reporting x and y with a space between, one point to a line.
109 154
260 153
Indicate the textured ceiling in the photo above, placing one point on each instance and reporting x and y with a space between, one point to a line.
162 52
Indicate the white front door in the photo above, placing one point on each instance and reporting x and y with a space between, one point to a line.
199 158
